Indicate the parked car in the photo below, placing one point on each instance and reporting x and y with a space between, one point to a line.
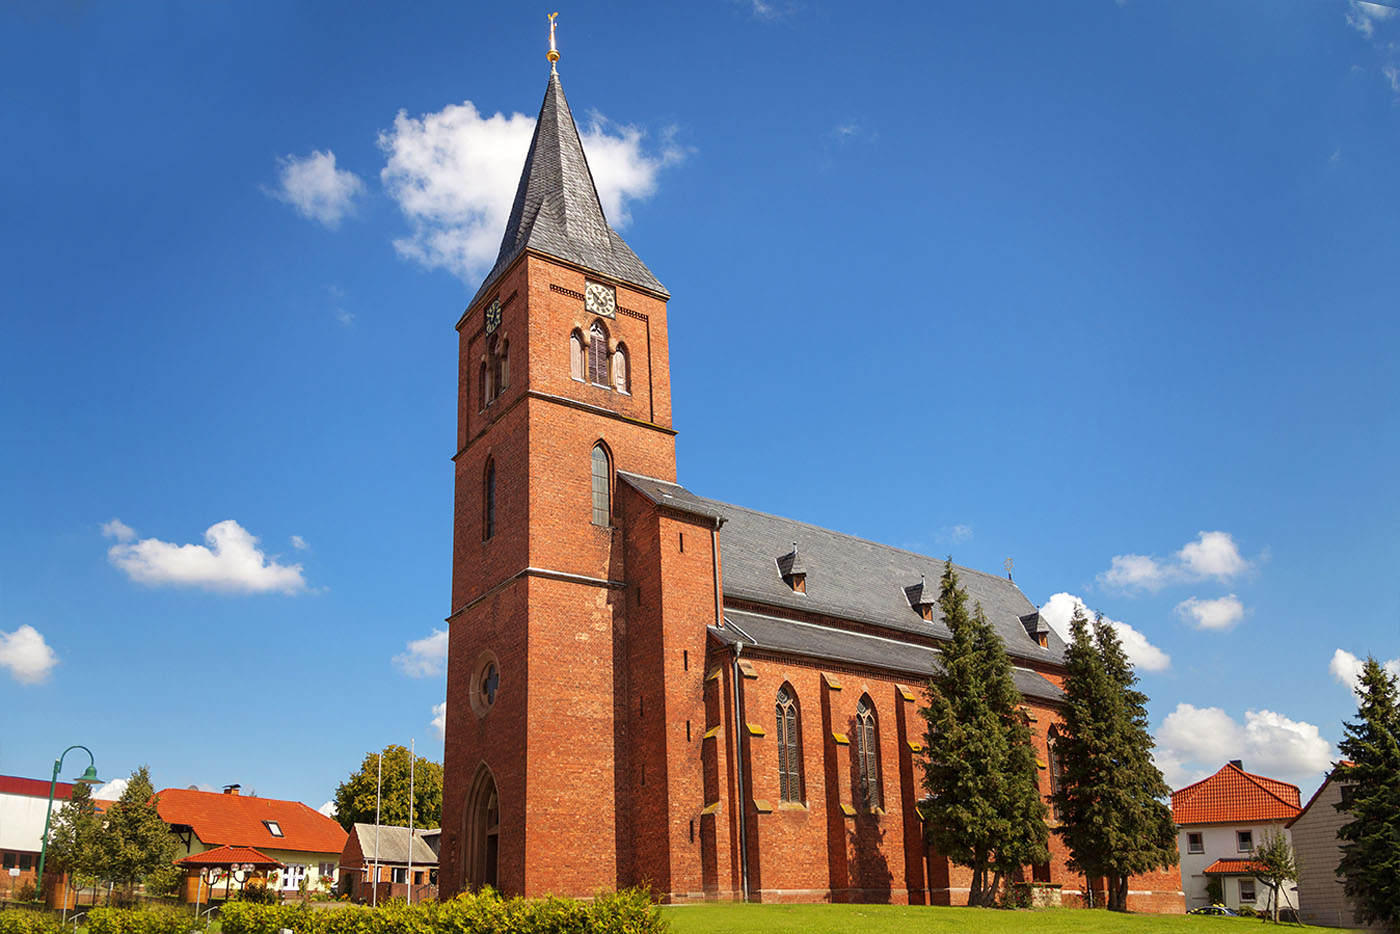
1214 910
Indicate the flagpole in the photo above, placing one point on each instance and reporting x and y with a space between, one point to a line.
378 788
412 757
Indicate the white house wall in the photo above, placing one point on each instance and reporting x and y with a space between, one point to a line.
1219 842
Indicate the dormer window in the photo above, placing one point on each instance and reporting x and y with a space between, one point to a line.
922 598
792 569
1037 628
273 827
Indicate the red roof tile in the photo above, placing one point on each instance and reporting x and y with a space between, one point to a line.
1225 867
1232 796
237 820
230 855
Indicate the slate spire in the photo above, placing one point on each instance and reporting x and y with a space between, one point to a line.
556 209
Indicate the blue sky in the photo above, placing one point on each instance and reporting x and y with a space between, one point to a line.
1108 288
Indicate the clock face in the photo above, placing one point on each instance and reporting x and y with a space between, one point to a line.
599 299
493 317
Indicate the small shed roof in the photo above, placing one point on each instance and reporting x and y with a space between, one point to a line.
230 856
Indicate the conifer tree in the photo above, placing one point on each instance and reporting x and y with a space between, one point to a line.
135 842
1370 863
1110 802
984 810
73 839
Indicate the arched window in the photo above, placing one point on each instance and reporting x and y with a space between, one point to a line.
503 368
597 355
493 370
789 752
867 752
576 361
621 375
481 397
602 486
488 502
1056 768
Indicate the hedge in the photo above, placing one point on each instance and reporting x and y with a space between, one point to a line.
626 912
148 920
24 921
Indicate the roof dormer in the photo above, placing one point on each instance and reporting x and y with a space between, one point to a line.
1037 628
792 569
922 597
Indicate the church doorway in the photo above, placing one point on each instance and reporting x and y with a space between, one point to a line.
481 839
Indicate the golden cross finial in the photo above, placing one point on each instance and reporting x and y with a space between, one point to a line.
1008 564
553 54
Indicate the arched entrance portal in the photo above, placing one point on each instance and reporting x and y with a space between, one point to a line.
481 833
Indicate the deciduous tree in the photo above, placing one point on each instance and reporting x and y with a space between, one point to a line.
73 845
134 842
354 797
1278 865
1370 863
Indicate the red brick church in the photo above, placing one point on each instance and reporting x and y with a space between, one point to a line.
646 686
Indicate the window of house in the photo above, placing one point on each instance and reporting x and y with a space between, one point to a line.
1194 843
488 502
400 874
789 753
492 369
9 862
273 827
1246 890
326 870
597 355
602 486
621 375
577 364
503 368
1244 840
26 862
867 753
293 876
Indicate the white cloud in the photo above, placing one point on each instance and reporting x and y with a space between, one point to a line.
316 188
1220 613
1142 653
299 543
1392 77
345 318
231 563
440 718
424 658
454 174
116 528
112 790
1211 555
327 809
954 534
1193 742
1346 668
1363 16
27 656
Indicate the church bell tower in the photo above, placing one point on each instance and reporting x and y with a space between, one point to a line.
563 380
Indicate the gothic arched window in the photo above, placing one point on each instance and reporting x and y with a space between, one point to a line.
481 398
621 375
488 502
493 370
867 753
789 749
576 359
503 368
597 355
602 486
1056 767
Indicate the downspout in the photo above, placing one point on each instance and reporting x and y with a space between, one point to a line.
739 776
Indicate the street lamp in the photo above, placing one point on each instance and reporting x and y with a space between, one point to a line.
89 778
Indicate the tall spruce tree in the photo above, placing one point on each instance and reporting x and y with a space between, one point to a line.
984 809
1113 818
1370 863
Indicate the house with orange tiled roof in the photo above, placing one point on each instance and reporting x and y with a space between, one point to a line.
303 840
1220 820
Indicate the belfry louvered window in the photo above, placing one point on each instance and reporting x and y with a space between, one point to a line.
488 502
602 486
789 751
597 355
867 753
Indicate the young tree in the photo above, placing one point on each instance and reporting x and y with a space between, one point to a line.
984 810
1278 864
354 797
1370 863
1112 814
135 843
73 839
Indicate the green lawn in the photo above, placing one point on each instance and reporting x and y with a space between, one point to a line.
725 918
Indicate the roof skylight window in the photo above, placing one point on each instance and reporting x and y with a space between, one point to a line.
273 827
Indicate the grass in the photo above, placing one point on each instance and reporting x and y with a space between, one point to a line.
724 918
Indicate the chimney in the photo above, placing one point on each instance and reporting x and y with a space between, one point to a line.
1238 763
231 789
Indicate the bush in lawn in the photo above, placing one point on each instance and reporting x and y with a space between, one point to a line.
27 922
259 892
137 921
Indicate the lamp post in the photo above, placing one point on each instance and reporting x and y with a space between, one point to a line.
89 778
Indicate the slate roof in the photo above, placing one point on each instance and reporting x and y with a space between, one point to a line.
237 820
856 579
556 209
1233 795
842 645
671 495
230 855
1234 867
393 845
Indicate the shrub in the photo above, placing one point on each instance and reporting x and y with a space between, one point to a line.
27 922
137 921
26 892
258 892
